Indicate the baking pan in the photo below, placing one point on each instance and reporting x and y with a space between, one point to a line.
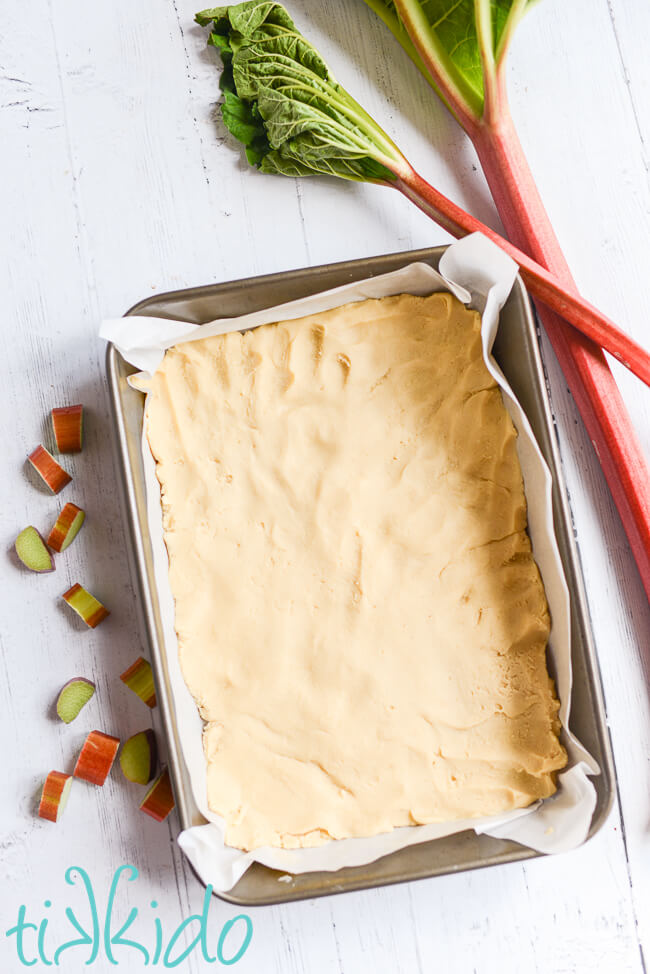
517 352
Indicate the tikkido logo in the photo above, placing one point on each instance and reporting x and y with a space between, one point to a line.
95 939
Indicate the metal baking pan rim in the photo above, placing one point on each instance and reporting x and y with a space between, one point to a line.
147 600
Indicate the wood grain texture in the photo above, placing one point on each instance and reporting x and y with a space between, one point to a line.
116 183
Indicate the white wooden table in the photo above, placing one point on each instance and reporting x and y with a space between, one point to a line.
115 183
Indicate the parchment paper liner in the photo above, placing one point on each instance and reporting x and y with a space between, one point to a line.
479 273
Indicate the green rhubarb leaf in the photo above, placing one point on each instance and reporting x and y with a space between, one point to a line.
282 102
456 44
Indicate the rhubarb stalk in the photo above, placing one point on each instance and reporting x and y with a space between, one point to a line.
540 282
583 363
474 90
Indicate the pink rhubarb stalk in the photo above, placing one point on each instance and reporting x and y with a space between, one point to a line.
544 285
583 363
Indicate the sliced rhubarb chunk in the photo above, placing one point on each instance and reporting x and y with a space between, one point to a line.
139 757
51 472
86 605
66 528
32 551
67 423
159 800
73 697
96 757
139 678
54 795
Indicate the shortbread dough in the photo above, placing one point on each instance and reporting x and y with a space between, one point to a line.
359 615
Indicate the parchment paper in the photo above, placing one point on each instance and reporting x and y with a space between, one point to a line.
477 272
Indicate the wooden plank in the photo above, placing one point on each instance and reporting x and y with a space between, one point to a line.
116 183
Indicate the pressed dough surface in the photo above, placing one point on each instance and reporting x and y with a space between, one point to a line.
359 615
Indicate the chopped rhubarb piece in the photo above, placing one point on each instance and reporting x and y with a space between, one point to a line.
96 757
67 423
32 551
52 473
159 800
86 605
66 528
139 678
54 795
73 697
139 757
